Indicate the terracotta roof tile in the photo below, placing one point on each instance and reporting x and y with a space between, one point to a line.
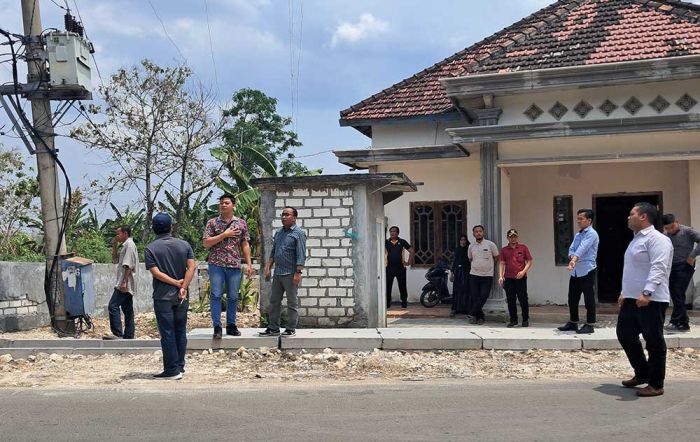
566 33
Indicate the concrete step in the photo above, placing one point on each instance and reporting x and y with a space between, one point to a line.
22 353
201 339
340 339
79 343
454 338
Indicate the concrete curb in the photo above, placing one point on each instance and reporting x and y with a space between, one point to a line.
395 338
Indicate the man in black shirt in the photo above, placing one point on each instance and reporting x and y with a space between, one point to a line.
395 264
171 262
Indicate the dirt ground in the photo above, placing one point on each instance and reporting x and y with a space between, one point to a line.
146 327
248 366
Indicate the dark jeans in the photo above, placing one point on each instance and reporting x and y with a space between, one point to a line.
400 274
172 325
281 285
649 321
125 302
479 289
517 289
576 286
681 274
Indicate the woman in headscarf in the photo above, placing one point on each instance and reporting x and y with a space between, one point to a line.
460 278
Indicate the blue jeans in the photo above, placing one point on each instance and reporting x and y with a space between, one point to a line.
232 277
172 325
126 302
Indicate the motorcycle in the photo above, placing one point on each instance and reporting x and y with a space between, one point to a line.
436 290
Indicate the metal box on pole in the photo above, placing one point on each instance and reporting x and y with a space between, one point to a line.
78 286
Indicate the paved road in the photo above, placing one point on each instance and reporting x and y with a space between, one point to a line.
408 411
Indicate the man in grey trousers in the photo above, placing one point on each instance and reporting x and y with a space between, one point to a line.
288 256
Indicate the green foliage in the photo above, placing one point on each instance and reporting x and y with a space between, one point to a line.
192 219
91 245
18 193
247 295
22 247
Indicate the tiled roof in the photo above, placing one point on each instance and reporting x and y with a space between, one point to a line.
566 33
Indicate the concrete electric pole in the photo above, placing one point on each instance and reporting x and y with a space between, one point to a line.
43 137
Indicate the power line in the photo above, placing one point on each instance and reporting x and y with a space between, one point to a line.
211 48
92 52
166 31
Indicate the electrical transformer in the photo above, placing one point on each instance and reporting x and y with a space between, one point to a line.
78 286
69 61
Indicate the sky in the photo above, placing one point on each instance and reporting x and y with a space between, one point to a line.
316 57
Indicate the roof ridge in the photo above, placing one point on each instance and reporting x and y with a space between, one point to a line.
436 66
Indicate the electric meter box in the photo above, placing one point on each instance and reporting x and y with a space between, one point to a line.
69 61
78 286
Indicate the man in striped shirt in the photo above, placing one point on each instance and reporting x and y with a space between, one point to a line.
288 256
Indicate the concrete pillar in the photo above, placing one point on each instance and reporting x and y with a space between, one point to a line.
491 212
694 193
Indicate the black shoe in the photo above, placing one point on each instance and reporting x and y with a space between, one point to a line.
512 324
586 329
170 377
404 305
269 332
217 332
480 321
684 328
569 326
111 337
289 332
526 324
452 313
472 320
232 330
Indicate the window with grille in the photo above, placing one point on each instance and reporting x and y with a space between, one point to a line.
435 229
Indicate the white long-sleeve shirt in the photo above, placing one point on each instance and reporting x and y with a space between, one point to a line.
648 265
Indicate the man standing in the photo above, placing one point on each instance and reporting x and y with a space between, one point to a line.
582 265
288 256
125 286
482 255
515 262
396 265
171 262
686 248
644 299
227 238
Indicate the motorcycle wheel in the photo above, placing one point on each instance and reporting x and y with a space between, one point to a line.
429 298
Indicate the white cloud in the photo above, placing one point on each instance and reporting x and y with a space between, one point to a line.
368 26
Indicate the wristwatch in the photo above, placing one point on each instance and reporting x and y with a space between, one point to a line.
646 293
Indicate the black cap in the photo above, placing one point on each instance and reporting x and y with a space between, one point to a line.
162 222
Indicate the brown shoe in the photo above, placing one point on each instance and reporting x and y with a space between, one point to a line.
650 391
634 382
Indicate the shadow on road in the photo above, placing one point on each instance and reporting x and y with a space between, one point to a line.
136 376
622 394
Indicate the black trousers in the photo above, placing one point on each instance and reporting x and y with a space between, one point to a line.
681 274
400 274
516 289
577 285
649 321
125 302
479 290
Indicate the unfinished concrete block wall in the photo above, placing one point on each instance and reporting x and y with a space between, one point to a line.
326 294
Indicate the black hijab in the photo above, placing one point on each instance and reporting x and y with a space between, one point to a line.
461 252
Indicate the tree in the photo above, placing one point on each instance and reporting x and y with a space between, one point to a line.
156 128
18 191
257 143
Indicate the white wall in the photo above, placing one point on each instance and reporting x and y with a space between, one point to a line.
412 134
694 219
532 190
514 106
443 180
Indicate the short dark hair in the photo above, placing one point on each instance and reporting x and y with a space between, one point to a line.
648 209
478 226
229 196
294 211
668 218
395 227
588 213
126 229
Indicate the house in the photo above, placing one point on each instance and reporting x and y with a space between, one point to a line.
583 104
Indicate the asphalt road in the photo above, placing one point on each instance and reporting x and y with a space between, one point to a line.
408 411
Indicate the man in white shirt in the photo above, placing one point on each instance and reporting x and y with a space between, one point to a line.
644 299
482 254
127 259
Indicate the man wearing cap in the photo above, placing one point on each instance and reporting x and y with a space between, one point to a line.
171 262
686 248
582 265
515 262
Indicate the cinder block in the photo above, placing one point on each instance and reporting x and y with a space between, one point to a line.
322 213
319 253
338 253
322 192
331 222
340 292
330 262
340 211
312 222
328 282
313 202
331 202
330 242
295 202
300 192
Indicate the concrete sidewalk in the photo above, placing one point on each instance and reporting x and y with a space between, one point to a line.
394 338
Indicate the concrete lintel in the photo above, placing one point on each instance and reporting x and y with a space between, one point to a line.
388 182
613 126
603 158
364 158
574 77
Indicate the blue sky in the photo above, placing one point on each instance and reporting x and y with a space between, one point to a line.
315 56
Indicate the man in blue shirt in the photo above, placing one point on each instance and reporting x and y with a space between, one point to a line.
582 265
288 256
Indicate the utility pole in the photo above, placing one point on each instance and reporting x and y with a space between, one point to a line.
43 137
